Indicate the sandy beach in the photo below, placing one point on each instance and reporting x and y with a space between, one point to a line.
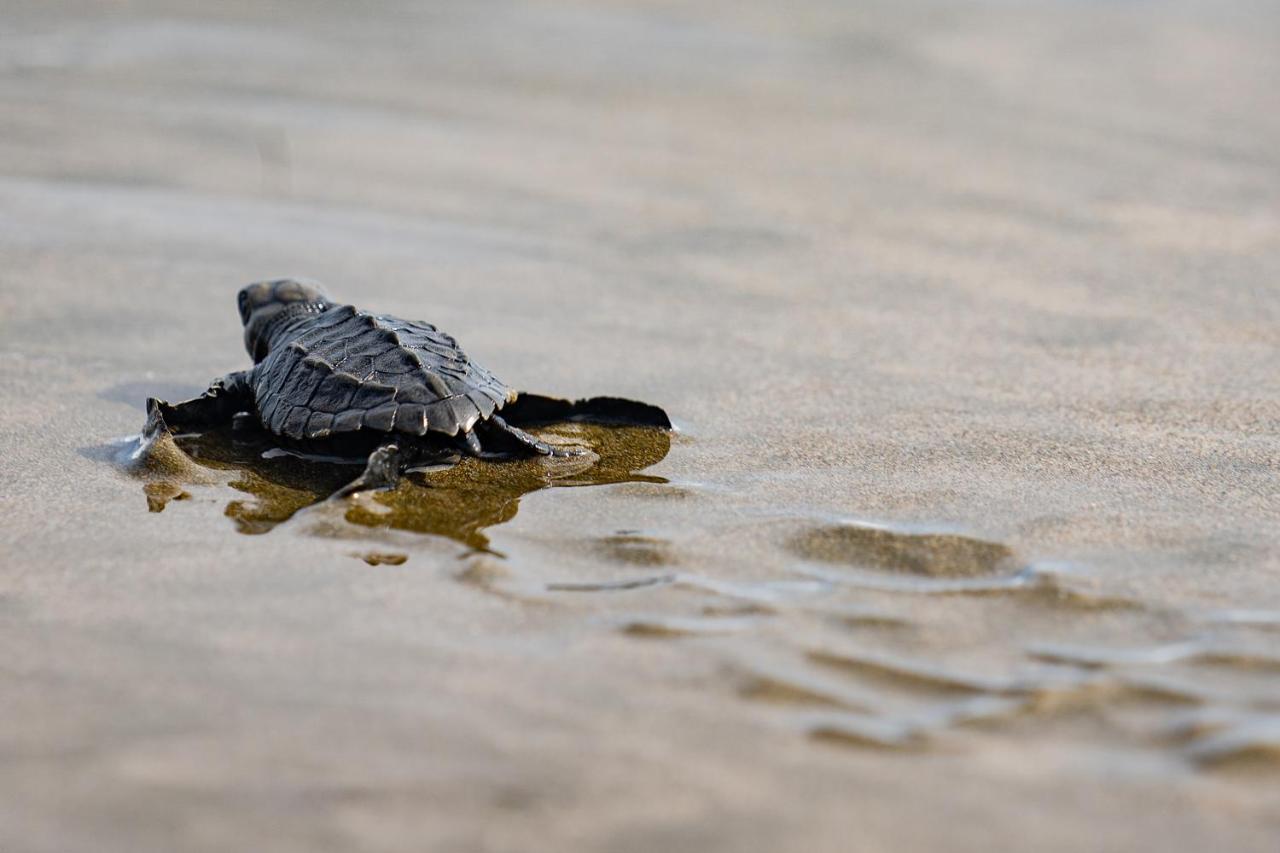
969 537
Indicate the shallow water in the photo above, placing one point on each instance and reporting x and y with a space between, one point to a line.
456 501
968 540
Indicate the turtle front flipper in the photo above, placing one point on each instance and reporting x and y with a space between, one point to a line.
534 409
501 439
225 397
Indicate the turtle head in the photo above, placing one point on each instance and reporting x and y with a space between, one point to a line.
267 306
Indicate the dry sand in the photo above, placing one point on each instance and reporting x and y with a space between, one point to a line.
1001 277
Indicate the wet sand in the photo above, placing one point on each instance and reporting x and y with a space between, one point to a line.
969 316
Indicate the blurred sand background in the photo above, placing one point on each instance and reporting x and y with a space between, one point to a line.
1008 269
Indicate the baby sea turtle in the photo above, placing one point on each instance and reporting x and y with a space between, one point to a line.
334 379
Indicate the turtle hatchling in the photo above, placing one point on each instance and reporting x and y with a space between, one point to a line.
334 379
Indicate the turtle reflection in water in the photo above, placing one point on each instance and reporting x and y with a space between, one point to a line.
458 502
335 380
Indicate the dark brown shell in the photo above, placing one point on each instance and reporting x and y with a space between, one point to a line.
346 370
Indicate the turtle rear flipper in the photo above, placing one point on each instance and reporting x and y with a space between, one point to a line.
381 472
534 409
